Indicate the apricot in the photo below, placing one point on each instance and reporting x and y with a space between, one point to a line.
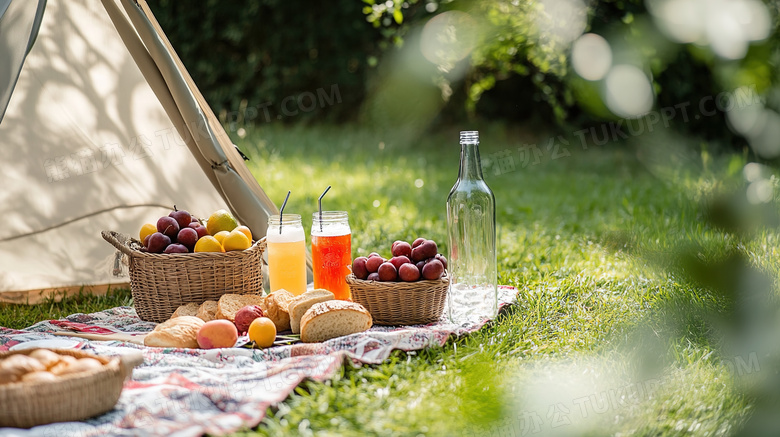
217 334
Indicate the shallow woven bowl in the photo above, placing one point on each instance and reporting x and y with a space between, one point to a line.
401 303
72 397
162 282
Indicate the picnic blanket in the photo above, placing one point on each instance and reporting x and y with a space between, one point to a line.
189 392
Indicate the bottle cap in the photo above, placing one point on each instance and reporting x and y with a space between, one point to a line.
469 137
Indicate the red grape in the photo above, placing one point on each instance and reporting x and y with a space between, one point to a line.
373 277
442 260
409 272
425 250
359 267
398 261
373 263
402 249
387 272
433 270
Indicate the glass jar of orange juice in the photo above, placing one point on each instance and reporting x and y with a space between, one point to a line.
286 243
331 251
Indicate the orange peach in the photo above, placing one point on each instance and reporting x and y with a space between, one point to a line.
217 334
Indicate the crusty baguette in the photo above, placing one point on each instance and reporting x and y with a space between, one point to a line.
333 318
229 304
276 305
188 309
298 306
207 310
176 332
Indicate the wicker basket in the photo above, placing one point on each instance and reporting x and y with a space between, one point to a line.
160 283
401 303
72 397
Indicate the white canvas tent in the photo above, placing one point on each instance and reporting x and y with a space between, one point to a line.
101 128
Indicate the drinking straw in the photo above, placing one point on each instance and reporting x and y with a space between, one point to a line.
320 202
281 211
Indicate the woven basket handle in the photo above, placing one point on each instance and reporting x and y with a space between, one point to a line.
128 361
117 240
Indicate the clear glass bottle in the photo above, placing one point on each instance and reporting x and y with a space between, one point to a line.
471 225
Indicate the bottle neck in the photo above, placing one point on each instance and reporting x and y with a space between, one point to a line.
470 164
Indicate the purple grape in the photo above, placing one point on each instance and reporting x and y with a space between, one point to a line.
176 248
168 226
158 242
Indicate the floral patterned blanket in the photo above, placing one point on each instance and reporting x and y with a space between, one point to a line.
190 392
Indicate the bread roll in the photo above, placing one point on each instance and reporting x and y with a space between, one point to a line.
46 357
179 332
40 376
189 309
229 304
65 361
14 367
207 310
303 302
276 305
334 318
78 366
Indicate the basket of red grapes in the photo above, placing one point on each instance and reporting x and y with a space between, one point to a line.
409 288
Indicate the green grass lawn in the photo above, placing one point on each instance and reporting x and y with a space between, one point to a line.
602 340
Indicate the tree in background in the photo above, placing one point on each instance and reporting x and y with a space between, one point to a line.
513 60
577 62
261 51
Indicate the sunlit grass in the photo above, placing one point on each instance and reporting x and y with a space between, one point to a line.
580 237
22 316
583 238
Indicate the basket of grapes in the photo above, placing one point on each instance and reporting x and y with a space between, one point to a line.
408 289
183 259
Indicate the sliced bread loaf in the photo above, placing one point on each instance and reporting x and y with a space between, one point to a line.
333 318
189 309
276 305
298 306
229 304
207 310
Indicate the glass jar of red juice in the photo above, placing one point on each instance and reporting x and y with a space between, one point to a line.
331 252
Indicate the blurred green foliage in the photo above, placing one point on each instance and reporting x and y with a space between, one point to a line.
262 51
518 71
